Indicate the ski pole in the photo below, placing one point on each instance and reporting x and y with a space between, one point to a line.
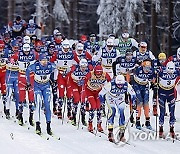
65 101
157 103
80 107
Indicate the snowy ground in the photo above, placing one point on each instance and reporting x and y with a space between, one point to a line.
77 141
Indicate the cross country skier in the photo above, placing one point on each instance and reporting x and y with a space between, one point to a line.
94 82
107 55
125 42
77 80
168 77
3 73
42 70
160 63
51 55
17 27
64 62
115 97
31 28
12 78
142 75
80 53
25 57
125 66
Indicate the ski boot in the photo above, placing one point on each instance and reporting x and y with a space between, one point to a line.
49 128
110 135
73 121
83 120
138 124
155 110
99 128
132 119
147 123
17 113
90 126
59 114
69 115
87 106
172 133
31 122
55 112
121 134
161 131
38 128
7 114
20 118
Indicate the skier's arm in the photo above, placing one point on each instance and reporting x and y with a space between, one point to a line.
30 69
131 91
134 43
55 70
152 57
105 89
95 58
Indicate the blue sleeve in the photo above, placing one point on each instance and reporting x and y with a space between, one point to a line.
30 69
6 51
53 66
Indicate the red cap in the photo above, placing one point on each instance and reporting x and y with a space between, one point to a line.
83 37
98 70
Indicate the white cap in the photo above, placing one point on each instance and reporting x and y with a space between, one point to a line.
55 31
170 67
83 62
120 79
26 39
26 47
110 42
80 46
65 44
144 44
125 35
31 21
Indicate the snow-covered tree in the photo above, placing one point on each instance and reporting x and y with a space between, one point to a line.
109 16
118 15
60 12
132 9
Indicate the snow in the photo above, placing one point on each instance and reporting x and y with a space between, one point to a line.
77 141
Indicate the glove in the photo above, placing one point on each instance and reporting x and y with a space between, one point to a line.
28 86
12 61
101 98
93 63
54 83
134 106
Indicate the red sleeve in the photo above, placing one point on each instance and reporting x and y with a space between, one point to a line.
76 57
53 58
108 77
88 56
73 68
15 56
36 55
87 77
90 67
168 60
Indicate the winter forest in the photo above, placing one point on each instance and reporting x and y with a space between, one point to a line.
155 21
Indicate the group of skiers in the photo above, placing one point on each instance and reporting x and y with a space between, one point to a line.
114 73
